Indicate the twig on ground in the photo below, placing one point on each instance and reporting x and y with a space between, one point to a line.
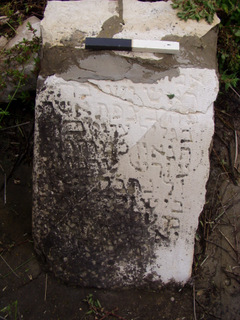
225 170
231 162
231 165
220 247
235 91
208 216
217 245
111 313
99 312
15 126
194 302
5 189
45 291
21 265
202 263
216 185
223 112
236 150
9 266
4 186
228 241
207 312
225 122
221 139
224 208
235 267
232 275
236 241
10 26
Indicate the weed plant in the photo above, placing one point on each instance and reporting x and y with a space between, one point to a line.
13 62
10 310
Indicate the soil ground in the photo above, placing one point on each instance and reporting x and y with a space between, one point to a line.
28 291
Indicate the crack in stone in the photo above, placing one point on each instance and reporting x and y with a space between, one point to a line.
147 106
120 10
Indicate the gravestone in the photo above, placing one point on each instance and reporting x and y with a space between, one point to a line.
121 155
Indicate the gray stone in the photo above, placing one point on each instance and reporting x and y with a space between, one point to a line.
23 32
3 42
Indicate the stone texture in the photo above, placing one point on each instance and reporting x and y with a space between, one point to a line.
155 21
58 31
121 150
3 42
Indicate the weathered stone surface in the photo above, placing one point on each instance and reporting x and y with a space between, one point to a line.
147 20
156 21
121 151
3 42
87 18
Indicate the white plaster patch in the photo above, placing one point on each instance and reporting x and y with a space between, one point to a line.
155 20
142 20
193 91
63 18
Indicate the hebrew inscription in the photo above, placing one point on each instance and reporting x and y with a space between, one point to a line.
189 92
117 187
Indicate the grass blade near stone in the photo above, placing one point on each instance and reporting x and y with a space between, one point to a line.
21 265
12 271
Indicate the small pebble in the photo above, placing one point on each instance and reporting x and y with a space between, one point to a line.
227 282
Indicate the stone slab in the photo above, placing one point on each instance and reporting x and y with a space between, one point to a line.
119 181
163 21
56 29
121 145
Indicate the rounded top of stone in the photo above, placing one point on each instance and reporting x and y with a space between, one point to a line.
70 22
